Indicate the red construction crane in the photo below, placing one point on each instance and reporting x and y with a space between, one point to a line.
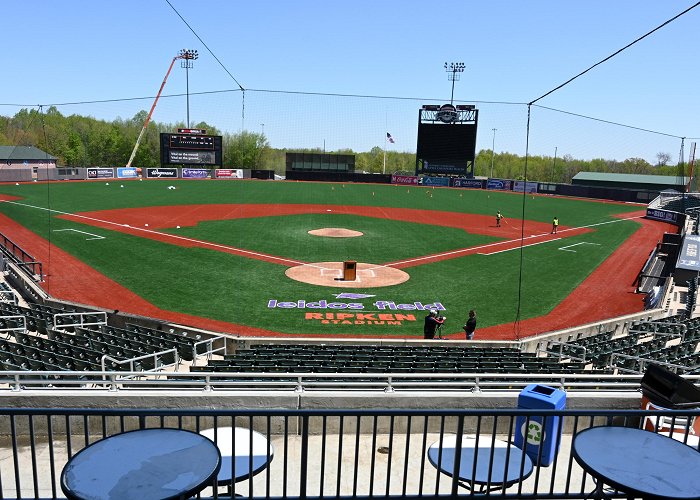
184 54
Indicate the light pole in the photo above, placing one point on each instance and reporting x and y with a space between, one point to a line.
554 164
493 147
187 56
454 69
262 125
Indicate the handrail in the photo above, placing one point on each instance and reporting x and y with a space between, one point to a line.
81 316
302 382
208 353
23 260
14 300
642 363
336 453
23 329
155 355
561 350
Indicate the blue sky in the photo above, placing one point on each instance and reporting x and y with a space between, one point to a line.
514 51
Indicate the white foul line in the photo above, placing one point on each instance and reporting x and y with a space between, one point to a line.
96 237
174 236
296 262
488 245
519 247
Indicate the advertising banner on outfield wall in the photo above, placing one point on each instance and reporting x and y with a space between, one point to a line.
435 181
161 173
467 183
436 168
499 184
228 173
528 187
100 173
404 179
666 216
127 173
195 173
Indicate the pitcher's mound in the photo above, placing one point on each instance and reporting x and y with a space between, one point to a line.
331 274
335 232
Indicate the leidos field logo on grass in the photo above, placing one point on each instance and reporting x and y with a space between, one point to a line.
383 315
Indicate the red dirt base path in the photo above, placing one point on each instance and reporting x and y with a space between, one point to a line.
599 297
596 299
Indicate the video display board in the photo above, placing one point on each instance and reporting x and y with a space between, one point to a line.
190 149
445 145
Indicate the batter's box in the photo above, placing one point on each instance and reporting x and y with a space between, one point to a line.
333 273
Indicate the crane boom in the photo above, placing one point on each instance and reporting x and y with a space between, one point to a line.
150 113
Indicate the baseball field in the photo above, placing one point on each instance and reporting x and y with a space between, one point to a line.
265 257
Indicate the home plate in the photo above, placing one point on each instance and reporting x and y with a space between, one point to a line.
327 274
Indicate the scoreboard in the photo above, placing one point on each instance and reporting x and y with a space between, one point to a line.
190 149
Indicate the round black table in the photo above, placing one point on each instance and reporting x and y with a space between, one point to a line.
148 463
638 462
498 464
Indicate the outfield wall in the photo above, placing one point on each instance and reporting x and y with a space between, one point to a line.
579 191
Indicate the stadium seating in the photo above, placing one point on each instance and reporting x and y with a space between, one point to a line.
672 341
319 358
64 346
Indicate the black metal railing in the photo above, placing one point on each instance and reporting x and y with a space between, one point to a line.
339 453
32 267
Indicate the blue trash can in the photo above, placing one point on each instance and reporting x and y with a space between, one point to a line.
534 433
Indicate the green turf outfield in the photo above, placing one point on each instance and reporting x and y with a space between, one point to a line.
236 289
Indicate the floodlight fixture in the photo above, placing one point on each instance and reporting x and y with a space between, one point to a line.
454 69
188 54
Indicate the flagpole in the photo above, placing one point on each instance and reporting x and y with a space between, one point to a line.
386 139
384 165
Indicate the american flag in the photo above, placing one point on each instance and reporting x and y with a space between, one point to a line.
389 138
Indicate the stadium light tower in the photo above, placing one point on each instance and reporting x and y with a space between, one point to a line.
454 69
493 149
186 58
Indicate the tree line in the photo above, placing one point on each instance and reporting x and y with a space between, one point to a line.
84 141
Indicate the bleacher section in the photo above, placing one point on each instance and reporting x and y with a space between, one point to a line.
41 337
672 342
317 358
45 338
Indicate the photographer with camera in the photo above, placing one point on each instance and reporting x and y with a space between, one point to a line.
432 323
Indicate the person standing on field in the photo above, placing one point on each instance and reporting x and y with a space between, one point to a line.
555 225
499 216
470 325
